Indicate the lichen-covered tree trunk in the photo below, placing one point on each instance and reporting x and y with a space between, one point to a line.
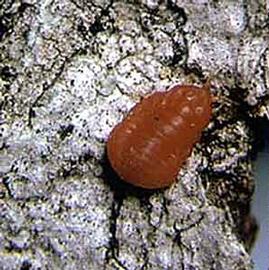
70 70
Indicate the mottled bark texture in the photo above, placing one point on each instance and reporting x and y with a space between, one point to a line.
69 71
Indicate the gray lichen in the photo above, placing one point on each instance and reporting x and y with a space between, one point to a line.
69 72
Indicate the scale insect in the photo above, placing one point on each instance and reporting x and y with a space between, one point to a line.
148 148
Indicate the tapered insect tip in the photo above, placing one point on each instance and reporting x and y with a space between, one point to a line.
207 84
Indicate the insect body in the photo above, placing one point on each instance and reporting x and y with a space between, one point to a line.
150 145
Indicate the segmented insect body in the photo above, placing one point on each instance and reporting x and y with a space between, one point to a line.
150 145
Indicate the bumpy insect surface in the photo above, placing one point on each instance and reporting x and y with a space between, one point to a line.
150 145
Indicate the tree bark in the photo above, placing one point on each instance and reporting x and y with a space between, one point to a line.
69 72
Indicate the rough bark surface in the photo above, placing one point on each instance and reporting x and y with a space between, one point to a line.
69 71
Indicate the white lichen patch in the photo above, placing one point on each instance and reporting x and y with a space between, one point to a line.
213 54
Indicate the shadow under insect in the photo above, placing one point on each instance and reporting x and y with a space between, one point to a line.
120 187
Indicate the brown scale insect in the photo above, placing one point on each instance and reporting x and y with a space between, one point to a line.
150 145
